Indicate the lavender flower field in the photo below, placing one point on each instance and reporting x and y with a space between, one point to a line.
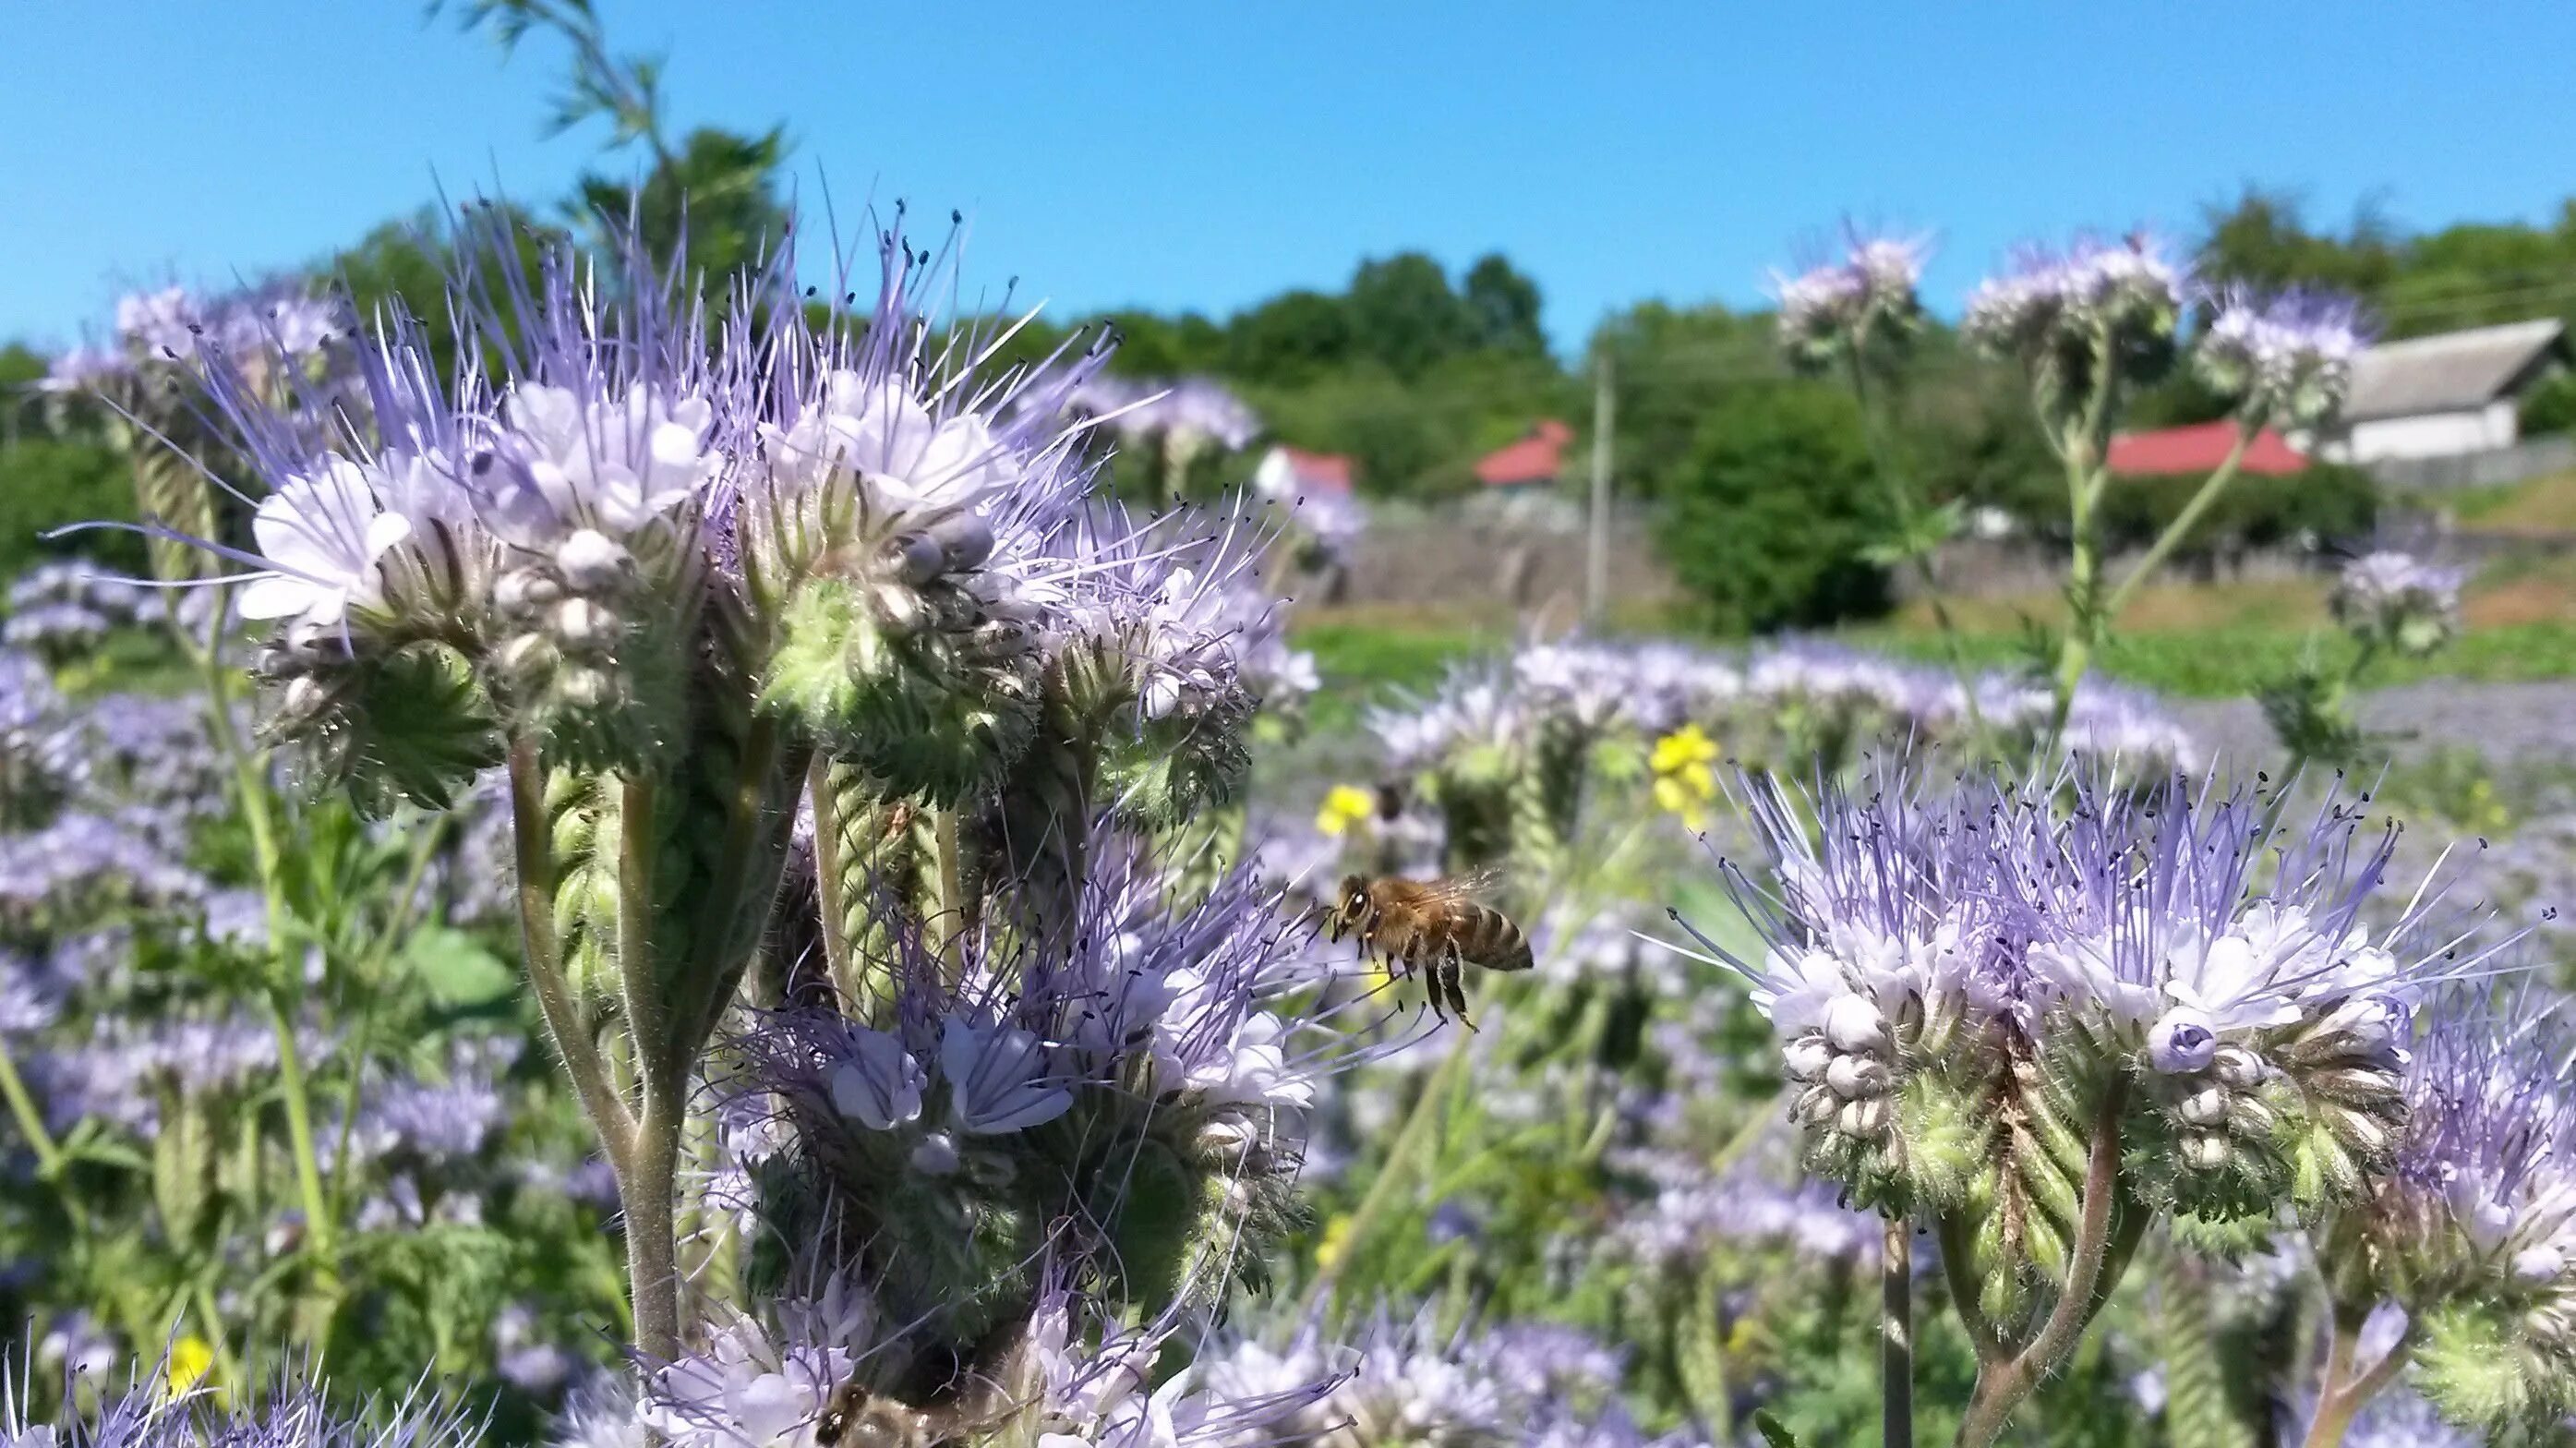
677 821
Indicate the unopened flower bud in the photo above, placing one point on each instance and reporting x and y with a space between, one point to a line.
2185 1040
1228 1139
966 539
306 697
2238 1067
591 560
1815 1106
1853 1024
2205 1151
2205 1107
936 1155
2355 1083
1807 1057
919 559
901 610
2537 1265
527 653
523 589
1863 1118
1855 1077
583 623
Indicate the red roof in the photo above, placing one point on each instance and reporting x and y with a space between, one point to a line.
1320 472
2200 448
1537 458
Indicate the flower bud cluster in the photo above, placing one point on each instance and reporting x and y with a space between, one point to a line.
2287 358
2474 1233
1843 304
1139 1073
1930 948
886 544
2069 315
2395 602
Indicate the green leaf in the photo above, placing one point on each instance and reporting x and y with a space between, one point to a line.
1772 1430
456 969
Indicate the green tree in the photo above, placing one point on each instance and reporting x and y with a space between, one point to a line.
1504 304
1293 337
1772 510
1672 365
1404 314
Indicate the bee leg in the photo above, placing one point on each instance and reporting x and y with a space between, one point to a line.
1450 973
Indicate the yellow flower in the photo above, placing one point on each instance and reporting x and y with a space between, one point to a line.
1684 779
1683 748
1337 1236
1346 805
191 1359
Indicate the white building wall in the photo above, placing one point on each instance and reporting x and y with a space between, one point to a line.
2428 435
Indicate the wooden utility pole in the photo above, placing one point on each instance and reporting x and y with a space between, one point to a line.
1596 572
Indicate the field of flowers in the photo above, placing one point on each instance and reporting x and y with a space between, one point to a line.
691 877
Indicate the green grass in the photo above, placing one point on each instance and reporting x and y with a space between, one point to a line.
1363 661
2235 661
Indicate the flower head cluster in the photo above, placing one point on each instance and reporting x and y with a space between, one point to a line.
831 1364
174 325
1843 304
40 761
2393 601
149 1411
2217 966
1136 1072
1404 1382
1189 414
2475 1231
2066 314
60 609
877 527
2288 357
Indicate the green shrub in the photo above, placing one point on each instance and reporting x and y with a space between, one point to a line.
46 482
2550 407
2325 502
1770 516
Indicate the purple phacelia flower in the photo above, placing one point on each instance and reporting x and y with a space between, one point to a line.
2286 356
1842 304
2393 601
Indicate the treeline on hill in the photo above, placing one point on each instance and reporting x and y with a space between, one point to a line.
1766 496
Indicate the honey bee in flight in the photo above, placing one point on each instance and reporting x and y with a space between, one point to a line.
1438 925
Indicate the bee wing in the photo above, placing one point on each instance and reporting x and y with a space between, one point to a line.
1467 885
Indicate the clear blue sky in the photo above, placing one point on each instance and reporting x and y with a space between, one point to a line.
1208 155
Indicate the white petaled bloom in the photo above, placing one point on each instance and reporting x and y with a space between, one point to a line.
999 1078
745 1387
878 1084
908 457
606 463
324 534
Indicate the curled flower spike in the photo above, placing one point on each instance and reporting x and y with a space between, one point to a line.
2286 356
2473 1233
1843 305
2392 601
1925 939
2065 314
